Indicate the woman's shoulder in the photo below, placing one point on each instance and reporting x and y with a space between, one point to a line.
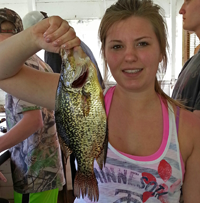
108 88
189 120
188 133
189 142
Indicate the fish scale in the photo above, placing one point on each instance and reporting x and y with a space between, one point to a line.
81 120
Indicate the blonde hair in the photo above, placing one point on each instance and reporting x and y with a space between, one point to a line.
124 9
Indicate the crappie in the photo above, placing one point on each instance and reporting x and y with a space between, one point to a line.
81 119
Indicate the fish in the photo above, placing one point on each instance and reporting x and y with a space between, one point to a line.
81 119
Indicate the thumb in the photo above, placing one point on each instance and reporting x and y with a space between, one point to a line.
2 177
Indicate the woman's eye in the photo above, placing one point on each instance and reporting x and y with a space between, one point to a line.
116 47
142 44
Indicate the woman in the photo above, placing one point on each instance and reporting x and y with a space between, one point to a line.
154 145
146 159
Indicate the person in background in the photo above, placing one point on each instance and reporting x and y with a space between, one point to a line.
187 87
150 155
36 163
196 49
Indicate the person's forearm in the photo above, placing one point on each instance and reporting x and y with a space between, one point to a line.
19 43
49 34
20 132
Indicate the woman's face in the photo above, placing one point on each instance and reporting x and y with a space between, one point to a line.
133 53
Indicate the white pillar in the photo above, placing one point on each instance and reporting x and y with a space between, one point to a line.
173 5
31 5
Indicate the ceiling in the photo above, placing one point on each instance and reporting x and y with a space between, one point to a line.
73 9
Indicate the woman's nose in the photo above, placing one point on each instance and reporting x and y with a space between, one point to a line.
130 55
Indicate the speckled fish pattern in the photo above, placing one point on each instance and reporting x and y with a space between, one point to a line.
81 119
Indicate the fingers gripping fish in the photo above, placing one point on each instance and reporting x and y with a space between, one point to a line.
81 119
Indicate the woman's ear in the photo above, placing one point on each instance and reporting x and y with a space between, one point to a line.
104 55
161 58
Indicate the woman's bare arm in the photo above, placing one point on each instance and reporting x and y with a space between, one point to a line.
23 82
189 141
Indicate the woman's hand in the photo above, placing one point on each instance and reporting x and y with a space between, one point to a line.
53 33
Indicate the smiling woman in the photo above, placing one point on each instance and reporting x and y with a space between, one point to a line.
134 42
134 55
150 156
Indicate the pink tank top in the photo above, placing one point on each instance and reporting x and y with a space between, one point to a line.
108 100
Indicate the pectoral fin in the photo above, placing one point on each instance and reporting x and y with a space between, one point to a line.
85 103
65 149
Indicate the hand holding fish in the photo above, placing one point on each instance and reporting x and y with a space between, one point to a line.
52 33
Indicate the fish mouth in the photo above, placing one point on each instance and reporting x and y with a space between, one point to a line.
81 80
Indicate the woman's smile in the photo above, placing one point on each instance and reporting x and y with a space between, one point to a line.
133 70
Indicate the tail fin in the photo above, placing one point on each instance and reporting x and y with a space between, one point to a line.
86 186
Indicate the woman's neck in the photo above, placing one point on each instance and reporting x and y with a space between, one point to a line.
136 100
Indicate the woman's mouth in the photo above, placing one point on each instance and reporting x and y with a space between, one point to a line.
133 71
